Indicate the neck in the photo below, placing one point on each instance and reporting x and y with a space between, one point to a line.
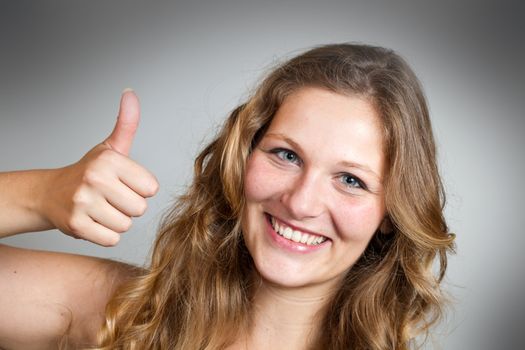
286 318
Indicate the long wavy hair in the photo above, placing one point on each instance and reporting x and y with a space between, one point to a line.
196 294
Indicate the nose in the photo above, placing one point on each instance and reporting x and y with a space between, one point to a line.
304 197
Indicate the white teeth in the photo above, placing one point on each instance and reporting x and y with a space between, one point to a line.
310 240
296 236
304 238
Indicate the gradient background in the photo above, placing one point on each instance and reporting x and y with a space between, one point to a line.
63 65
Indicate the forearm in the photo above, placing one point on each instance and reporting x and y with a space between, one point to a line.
93 199
21 196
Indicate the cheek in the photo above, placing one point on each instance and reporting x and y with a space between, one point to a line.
359 221
260 182
253 186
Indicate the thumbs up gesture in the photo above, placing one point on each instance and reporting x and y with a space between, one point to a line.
95 198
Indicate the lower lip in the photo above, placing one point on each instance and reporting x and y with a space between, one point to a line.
289 245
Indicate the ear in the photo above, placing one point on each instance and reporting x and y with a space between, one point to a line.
386 226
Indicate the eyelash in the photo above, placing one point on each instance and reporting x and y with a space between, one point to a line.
360 184
282 154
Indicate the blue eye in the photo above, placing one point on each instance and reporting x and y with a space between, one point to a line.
352 181
286 155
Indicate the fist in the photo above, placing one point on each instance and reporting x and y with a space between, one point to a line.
96 198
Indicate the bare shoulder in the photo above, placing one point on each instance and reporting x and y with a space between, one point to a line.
54 297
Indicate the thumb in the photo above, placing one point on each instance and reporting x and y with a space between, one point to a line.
128 118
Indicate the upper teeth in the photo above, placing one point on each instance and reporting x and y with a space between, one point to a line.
296 236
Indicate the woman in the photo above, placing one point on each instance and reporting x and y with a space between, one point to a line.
313 220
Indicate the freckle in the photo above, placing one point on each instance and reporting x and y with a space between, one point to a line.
14 271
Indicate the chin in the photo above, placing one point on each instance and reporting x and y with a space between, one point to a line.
288 272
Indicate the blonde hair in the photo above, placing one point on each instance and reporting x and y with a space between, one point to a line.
196 293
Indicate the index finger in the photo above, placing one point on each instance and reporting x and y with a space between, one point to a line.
137 178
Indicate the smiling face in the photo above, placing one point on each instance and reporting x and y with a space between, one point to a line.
314 196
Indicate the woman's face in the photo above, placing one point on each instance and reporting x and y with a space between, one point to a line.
314 196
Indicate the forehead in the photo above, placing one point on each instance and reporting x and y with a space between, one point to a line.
332 126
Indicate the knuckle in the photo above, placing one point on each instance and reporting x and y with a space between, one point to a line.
125 225
152 188
91 176
108 155
74 225
155 186
141 207
110 240
80 197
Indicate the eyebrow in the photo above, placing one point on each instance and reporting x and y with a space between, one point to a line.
286 139
359 166
344 163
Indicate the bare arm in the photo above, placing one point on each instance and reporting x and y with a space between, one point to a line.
20 193
47 299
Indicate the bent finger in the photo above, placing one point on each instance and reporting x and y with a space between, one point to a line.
124 199
108 216
138 178
88 229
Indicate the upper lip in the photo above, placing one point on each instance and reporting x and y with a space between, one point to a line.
293 227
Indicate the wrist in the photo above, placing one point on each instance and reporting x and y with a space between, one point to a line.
39 198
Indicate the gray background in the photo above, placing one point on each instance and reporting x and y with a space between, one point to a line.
63 65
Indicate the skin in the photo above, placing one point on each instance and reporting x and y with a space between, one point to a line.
319 167
299 173
93 199
54 298
57 298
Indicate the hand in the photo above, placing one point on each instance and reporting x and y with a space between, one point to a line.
95 198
